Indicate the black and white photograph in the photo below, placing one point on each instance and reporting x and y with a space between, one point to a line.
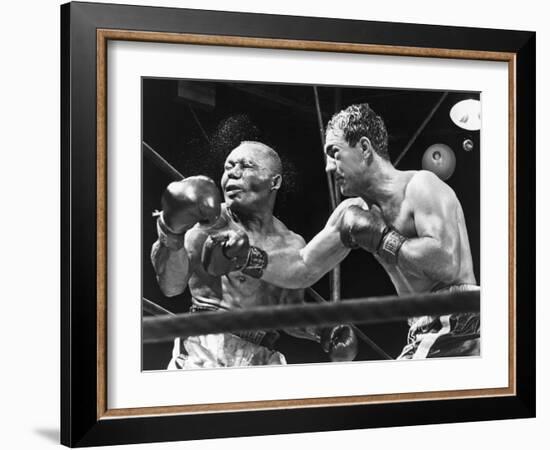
337 223
277 224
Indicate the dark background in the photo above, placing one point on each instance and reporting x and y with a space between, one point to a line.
194 124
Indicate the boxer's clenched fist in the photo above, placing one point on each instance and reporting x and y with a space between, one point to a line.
368 229
230 250
340 342
225 252
362 228
187 202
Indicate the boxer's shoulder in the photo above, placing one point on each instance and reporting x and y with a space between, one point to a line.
420 180
286 237
424 185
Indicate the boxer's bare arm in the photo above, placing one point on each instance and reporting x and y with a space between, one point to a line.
185 203
297 265
434 254
175 267
293 297
171 267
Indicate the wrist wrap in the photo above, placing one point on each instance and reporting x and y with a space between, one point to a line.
171 240
390 245
255 263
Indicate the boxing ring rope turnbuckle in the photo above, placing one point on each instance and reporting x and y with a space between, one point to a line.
370 310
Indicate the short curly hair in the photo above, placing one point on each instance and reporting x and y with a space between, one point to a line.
360 120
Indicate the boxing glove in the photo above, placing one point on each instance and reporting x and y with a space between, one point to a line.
230 250
189 201
340 342
368 229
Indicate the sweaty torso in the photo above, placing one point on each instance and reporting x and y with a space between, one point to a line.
234 290
399 213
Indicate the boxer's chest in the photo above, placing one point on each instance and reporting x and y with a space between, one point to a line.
400 216
249 290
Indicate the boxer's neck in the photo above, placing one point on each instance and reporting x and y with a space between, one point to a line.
381 183
260 221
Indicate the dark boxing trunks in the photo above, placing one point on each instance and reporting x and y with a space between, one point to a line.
444 336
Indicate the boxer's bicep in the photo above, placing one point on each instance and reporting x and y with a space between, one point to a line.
434 218
433 252
194 241
171 268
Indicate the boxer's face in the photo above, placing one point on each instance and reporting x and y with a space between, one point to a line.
247 178
346 162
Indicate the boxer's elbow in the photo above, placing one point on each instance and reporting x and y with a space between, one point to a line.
447 266
305 276
311 277
170 289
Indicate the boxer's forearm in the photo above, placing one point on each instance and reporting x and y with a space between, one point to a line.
296 297
426 257
171 267
310 334
295 268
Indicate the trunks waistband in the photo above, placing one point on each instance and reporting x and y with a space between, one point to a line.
424 321
456 288
265 338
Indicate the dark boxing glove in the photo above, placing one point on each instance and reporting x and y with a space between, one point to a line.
229 251
368 229
189 201
340 342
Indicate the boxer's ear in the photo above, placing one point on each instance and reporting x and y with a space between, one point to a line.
366 148
276 182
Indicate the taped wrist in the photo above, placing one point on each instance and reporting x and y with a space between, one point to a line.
171 240
255 263
390 245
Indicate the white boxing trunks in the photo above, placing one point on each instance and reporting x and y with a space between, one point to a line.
221 350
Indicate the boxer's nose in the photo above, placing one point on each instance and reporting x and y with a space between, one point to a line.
330 165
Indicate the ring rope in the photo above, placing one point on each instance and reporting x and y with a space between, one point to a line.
366 310
155 309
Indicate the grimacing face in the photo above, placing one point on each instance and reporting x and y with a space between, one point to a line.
345 161
247 179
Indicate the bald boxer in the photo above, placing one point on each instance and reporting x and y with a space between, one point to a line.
410 221
219 250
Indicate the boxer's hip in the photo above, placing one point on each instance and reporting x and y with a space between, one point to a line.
221 350
258 337
449 335
250 348
427 323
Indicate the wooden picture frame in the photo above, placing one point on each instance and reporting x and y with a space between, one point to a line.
85 417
